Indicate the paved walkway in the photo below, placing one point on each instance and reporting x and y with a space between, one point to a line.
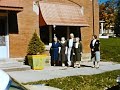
58 72
39 87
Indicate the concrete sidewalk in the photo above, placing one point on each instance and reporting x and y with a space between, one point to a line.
38 87
58 72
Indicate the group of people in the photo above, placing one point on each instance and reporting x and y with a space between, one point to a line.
67 52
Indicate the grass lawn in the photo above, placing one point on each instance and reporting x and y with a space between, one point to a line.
110 49
87 82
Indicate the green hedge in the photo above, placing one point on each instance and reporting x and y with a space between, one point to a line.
110 49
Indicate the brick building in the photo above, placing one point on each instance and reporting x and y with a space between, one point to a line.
20 18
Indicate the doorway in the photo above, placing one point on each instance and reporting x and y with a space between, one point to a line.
47 32
4 39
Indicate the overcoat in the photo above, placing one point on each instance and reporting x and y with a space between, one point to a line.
95 48
78 52
54 51
62 56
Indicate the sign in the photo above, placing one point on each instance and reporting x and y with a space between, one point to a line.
2 41
35 8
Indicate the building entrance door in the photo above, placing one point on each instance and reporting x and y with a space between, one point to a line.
4 51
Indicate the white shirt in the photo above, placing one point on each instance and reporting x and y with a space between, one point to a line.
76 45
70 43
62 41
93 42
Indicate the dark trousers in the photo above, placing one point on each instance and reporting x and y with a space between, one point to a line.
73 60
92 54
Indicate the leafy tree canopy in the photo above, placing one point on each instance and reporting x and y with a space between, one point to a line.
117 19
107 13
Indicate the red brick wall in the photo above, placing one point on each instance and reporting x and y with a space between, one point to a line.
87 32
27 23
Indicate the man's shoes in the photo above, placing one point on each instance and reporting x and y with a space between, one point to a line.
97 66
79 66
93 66
69 64
63 65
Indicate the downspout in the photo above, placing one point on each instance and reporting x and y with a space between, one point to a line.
93 16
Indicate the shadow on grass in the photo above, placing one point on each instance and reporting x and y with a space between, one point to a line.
117 87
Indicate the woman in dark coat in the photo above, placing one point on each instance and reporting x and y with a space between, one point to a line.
63 52
78 52
54 52
95 52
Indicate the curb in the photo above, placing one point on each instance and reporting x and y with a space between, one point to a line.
21 85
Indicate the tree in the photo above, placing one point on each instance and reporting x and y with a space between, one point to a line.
117 19
36 46
107 13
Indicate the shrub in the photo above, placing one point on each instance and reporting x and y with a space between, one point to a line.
35 46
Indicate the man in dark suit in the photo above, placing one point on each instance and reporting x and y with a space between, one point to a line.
95 52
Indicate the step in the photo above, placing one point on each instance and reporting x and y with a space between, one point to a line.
12 65
20 68
2 62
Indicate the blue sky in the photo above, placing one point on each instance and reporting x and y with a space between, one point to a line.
101 1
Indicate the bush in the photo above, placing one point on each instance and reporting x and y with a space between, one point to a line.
36 46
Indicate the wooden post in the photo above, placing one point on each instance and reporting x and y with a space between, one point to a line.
68 32
79 29
50 34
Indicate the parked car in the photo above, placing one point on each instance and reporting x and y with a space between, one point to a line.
6 82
